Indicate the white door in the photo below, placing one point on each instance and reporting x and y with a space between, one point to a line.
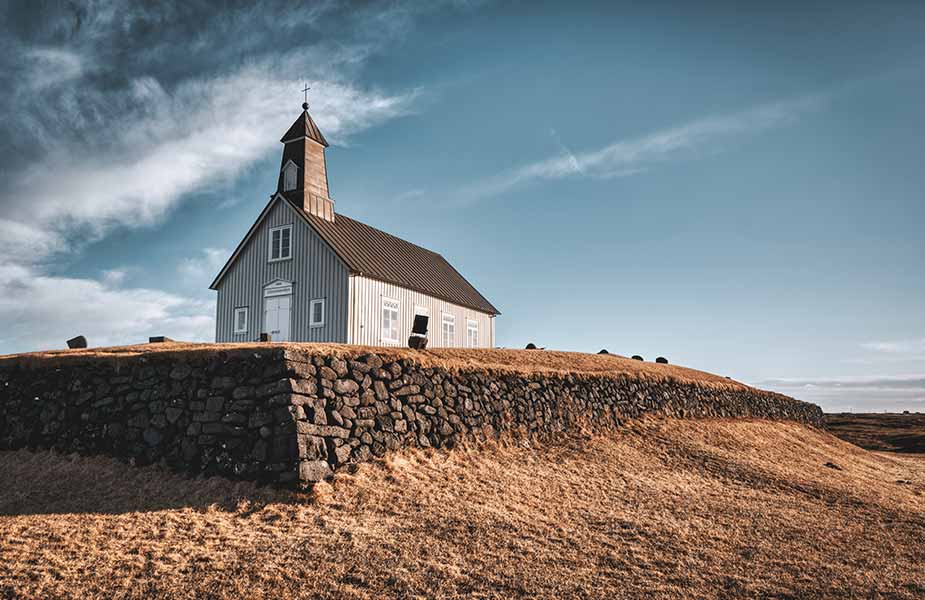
276 311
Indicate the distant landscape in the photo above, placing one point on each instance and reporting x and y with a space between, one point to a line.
891 432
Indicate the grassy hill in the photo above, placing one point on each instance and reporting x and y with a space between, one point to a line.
676 509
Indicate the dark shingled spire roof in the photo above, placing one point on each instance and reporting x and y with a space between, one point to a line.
304 126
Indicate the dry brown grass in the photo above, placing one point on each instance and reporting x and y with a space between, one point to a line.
892 432
520 361
673 509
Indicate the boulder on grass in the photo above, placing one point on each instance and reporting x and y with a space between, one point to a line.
637 357
77 342
661 360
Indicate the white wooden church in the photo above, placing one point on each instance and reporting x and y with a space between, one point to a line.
305 273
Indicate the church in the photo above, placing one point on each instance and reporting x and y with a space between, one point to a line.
306 273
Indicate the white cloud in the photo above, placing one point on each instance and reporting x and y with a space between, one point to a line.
628 157
860 393
910 346
114 277
203 134
203 268
40 312
25 243
912 382
52 66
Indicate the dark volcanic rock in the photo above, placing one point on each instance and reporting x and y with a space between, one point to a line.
287 418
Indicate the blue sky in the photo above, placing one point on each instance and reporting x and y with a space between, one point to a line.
737 189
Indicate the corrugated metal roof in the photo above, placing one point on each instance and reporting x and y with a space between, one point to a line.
374 253
304 126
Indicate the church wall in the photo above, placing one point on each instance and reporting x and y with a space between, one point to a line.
314 270
366 296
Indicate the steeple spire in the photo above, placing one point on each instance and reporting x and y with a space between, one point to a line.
303 176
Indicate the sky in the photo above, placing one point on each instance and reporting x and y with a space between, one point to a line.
737 188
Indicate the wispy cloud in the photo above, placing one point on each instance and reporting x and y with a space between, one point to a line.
909 346
203 134
855 392
628 157
40 311
860 382
201 269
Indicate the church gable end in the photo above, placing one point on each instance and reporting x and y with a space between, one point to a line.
311 271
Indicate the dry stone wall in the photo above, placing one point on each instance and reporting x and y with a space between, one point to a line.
288 417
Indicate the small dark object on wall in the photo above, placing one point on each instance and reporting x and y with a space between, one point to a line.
418 338
637 357
661 360
159 339
832 465
531 346
77 342
266 337
420 324
603 351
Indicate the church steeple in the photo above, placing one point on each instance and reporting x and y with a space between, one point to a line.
303 175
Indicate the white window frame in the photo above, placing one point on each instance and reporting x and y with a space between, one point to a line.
270 241
448 319
290 177
421 310
472 330
311 312
237 311
392 305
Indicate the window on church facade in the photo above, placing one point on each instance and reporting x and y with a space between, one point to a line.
389 320
472 333
449 330
281 243
240 320
316 313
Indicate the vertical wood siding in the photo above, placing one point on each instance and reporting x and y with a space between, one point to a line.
366 315
314 270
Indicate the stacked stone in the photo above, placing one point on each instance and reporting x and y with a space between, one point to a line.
197 412
283 416
351 410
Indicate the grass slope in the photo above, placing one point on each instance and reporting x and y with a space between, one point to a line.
667 508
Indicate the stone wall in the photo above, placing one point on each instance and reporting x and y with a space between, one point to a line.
285 416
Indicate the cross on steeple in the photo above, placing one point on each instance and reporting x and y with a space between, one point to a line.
305 91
